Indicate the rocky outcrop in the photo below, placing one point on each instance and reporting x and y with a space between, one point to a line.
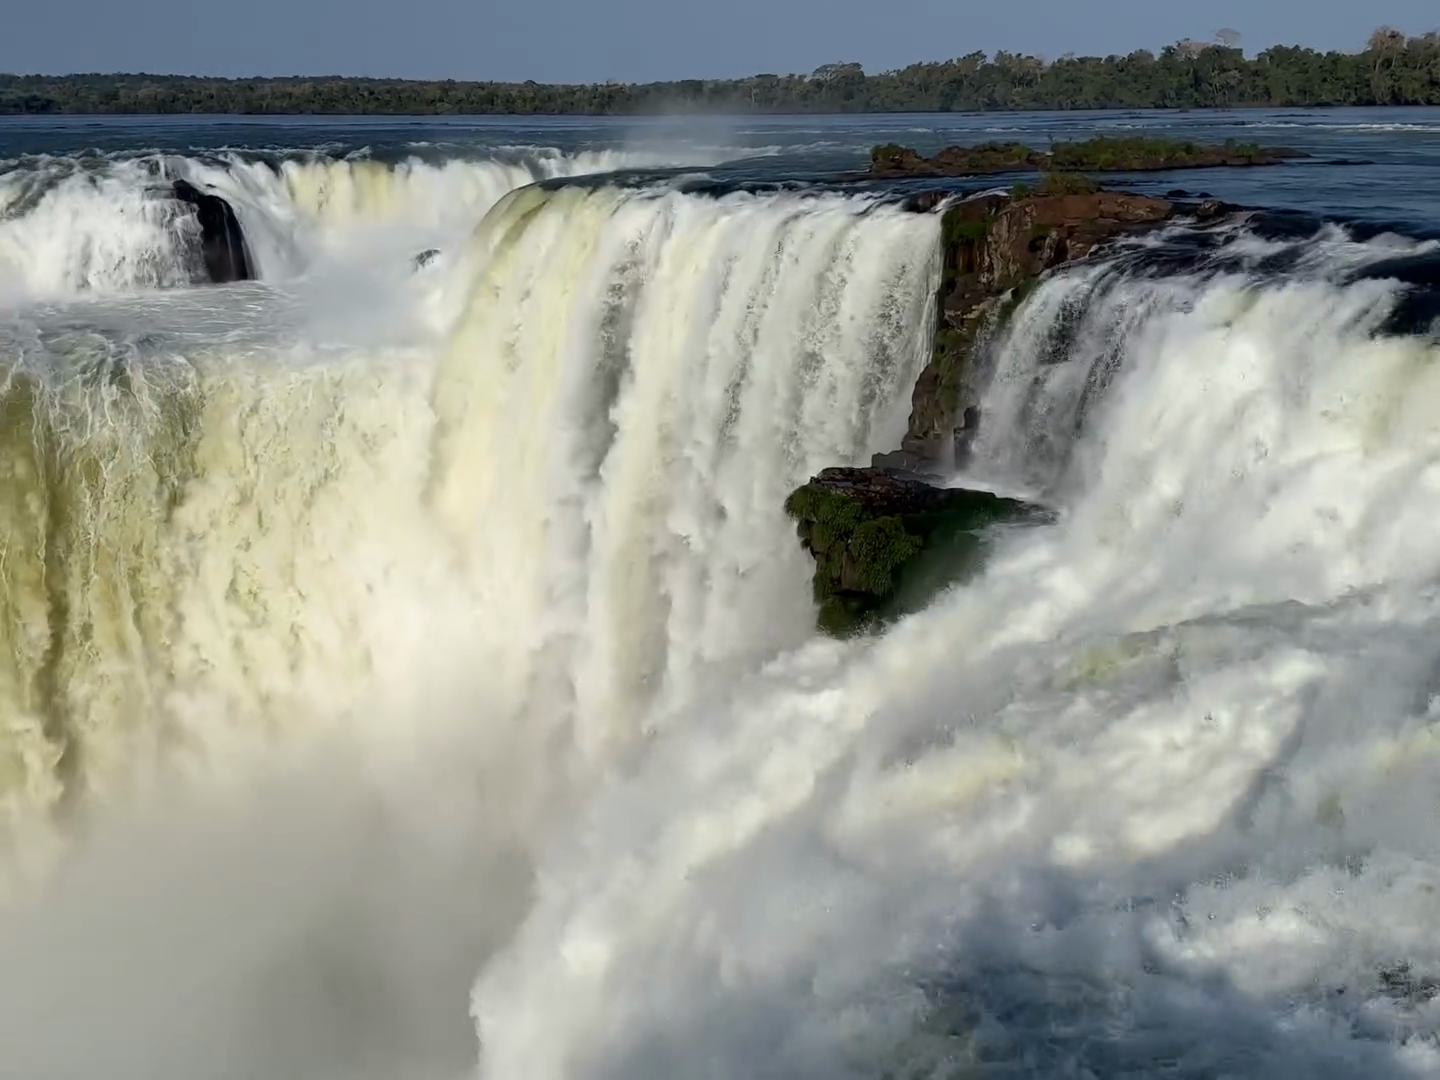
222 242
884 541
994 248
1157 155
892 161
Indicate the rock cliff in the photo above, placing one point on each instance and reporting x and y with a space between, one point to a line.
884 539
993 250
222 241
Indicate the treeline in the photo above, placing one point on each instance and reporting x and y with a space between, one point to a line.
1391 70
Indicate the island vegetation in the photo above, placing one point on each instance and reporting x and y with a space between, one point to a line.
1392 69
1105 154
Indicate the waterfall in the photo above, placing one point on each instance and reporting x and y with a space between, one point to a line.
1155 787
578 491
382 645
108 224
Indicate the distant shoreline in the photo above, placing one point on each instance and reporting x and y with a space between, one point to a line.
1393 70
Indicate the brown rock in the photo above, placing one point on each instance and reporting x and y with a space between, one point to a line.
994 249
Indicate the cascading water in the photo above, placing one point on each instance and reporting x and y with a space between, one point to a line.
656 373
580 491
109 224
1151 794
362 660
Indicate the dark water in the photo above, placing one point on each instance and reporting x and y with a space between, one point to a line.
1395 183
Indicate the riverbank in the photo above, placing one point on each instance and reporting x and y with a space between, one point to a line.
1393 71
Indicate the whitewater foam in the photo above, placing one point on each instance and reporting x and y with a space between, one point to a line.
98 224
580 492
1154 790
508 601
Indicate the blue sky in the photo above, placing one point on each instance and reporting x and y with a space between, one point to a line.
592 40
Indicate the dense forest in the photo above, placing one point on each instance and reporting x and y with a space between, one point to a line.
1391 70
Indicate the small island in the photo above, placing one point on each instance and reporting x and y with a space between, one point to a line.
1108 155
885 541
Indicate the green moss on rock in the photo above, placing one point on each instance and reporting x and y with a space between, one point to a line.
885 543
842 616
881 548
959 230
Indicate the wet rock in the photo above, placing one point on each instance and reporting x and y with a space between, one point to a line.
902 461
994 250
925 201
892 160
1211 209
222 242
884 540
965 434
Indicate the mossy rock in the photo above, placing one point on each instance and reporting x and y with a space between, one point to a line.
961 230
885 543
880 548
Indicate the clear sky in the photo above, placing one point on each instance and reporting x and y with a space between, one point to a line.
594 40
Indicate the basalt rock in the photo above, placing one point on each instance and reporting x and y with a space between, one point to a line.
994 248
222 242
885 541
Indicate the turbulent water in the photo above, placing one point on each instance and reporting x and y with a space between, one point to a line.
407 671
104 223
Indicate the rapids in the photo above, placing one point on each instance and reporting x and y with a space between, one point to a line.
103 223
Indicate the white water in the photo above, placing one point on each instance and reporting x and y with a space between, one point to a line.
440 583
106 225
1156 794
524 639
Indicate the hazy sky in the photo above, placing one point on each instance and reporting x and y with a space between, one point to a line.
590 40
